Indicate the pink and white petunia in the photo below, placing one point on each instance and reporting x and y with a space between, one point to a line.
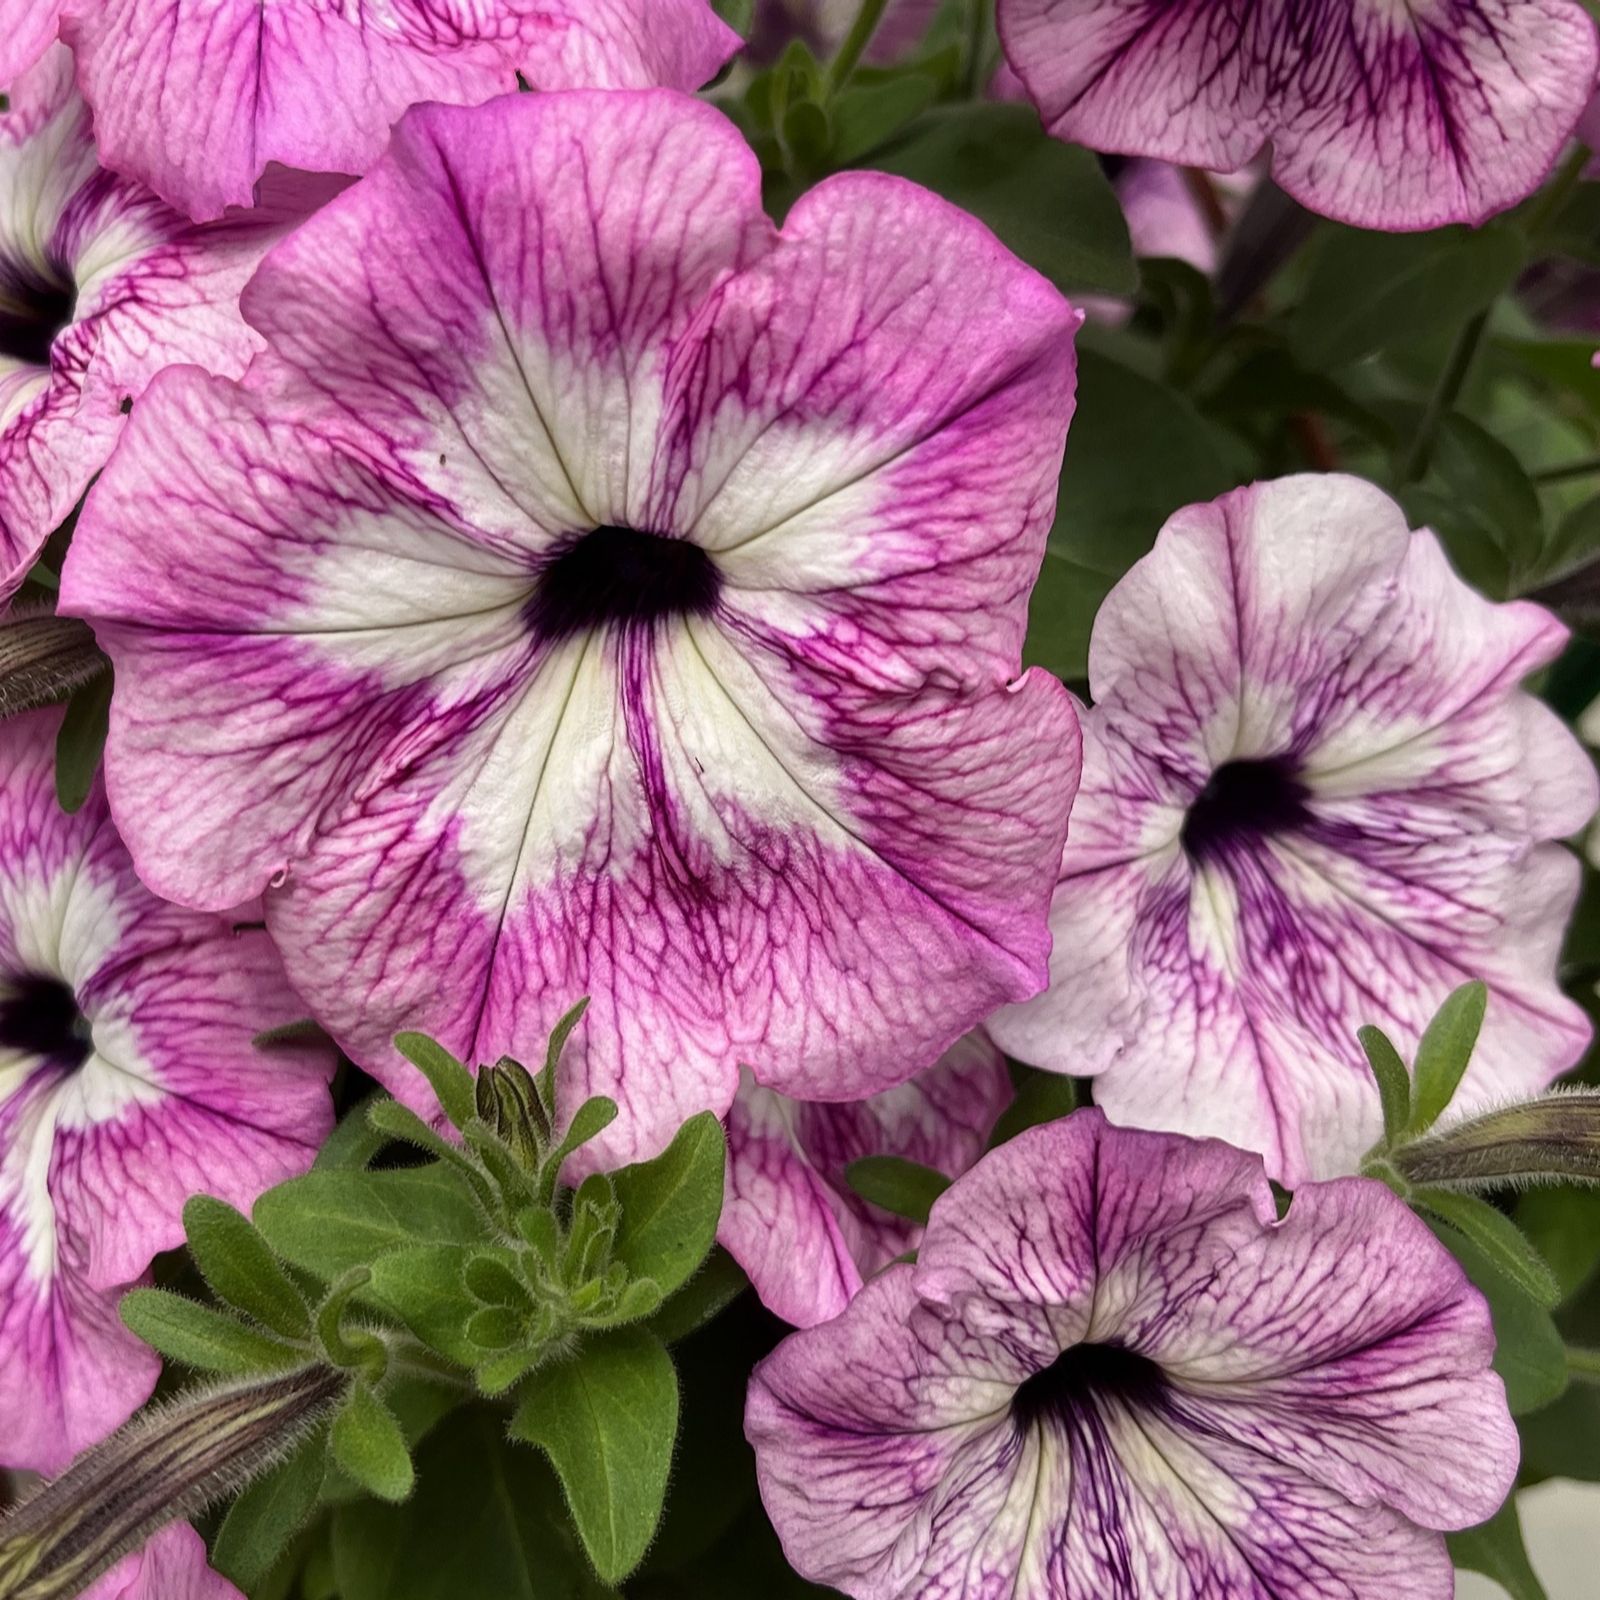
27 30
196 99
101 285
172 1566
1314 797
128 1082
1384 115
806 1240
595 592
1113 1372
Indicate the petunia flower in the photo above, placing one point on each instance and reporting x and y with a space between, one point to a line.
1113 1372
101 285
1313 797
128 1082
597 593
790 1218
1386 116
172 1566
196 99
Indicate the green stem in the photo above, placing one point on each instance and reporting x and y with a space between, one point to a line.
977 40
855 44
1442 401
1583 468
1583 1363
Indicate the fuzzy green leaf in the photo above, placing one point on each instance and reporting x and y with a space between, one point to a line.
367 1443
202 1337
262 1521
671 1205
903 1187
1444 1053
423 1286
241 1268
81 740
607 1420
1394 1082
1498 1237
448 1078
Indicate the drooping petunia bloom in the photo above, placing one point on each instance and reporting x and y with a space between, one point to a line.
128 1082
196 99
1386 116
172 1566
101 285
790 1218
1113 1372
597 593
1314 797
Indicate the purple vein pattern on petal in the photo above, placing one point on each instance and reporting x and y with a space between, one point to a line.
594 592
791 1219
101 285
196 99
1314 797
172 1566
128 1082
1114 1372
1384 115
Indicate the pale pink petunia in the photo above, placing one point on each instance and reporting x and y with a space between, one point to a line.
172 1566
1113 1372
598 592
791 1219
1314 797
128 1082
101 285
1397 116
196 97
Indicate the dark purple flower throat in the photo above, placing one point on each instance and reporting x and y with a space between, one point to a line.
1244 801
620 577
39 1016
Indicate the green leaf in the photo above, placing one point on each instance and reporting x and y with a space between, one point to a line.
552 1055
671 1205
1529 1353
328 1222
1394 1082
448 1078
1369 291
1481 472
354 1141
240 1267
713 1288
1495 1548
1498 1237
80 741
1444 1053
262 1521
867 115
367 1443
202 1337
495 1328
423 1285
1049 202
903 1187
1041 1097
589 1121
1563 1225
1137 452
607 1420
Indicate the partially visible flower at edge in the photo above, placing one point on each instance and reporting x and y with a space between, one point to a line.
172 1566
1314 797
1382 116
791 1220
197 100
597 592
101 286
1113 1371
128 1082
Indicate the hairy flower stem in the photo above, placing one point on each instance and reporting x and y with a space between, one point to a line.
1555 1139
43 659
166 1464
855 43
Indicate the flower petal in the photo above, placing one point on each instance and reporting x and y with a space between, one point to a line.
1386 117
27 30
790 1218
196 104
172 1566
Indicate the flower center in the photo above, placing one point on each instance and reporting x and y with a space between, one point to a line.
1245 800
1079 1377
623 577
39 1016
34 307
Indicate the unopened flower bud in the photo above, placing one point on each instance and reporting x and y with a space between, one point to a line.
1554 1139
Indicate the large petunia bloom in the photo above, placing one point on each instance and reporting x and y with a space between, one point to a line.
1113 1372
128 1082
196 97
597 593
1314 797
790 1218
1387 116
101 285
